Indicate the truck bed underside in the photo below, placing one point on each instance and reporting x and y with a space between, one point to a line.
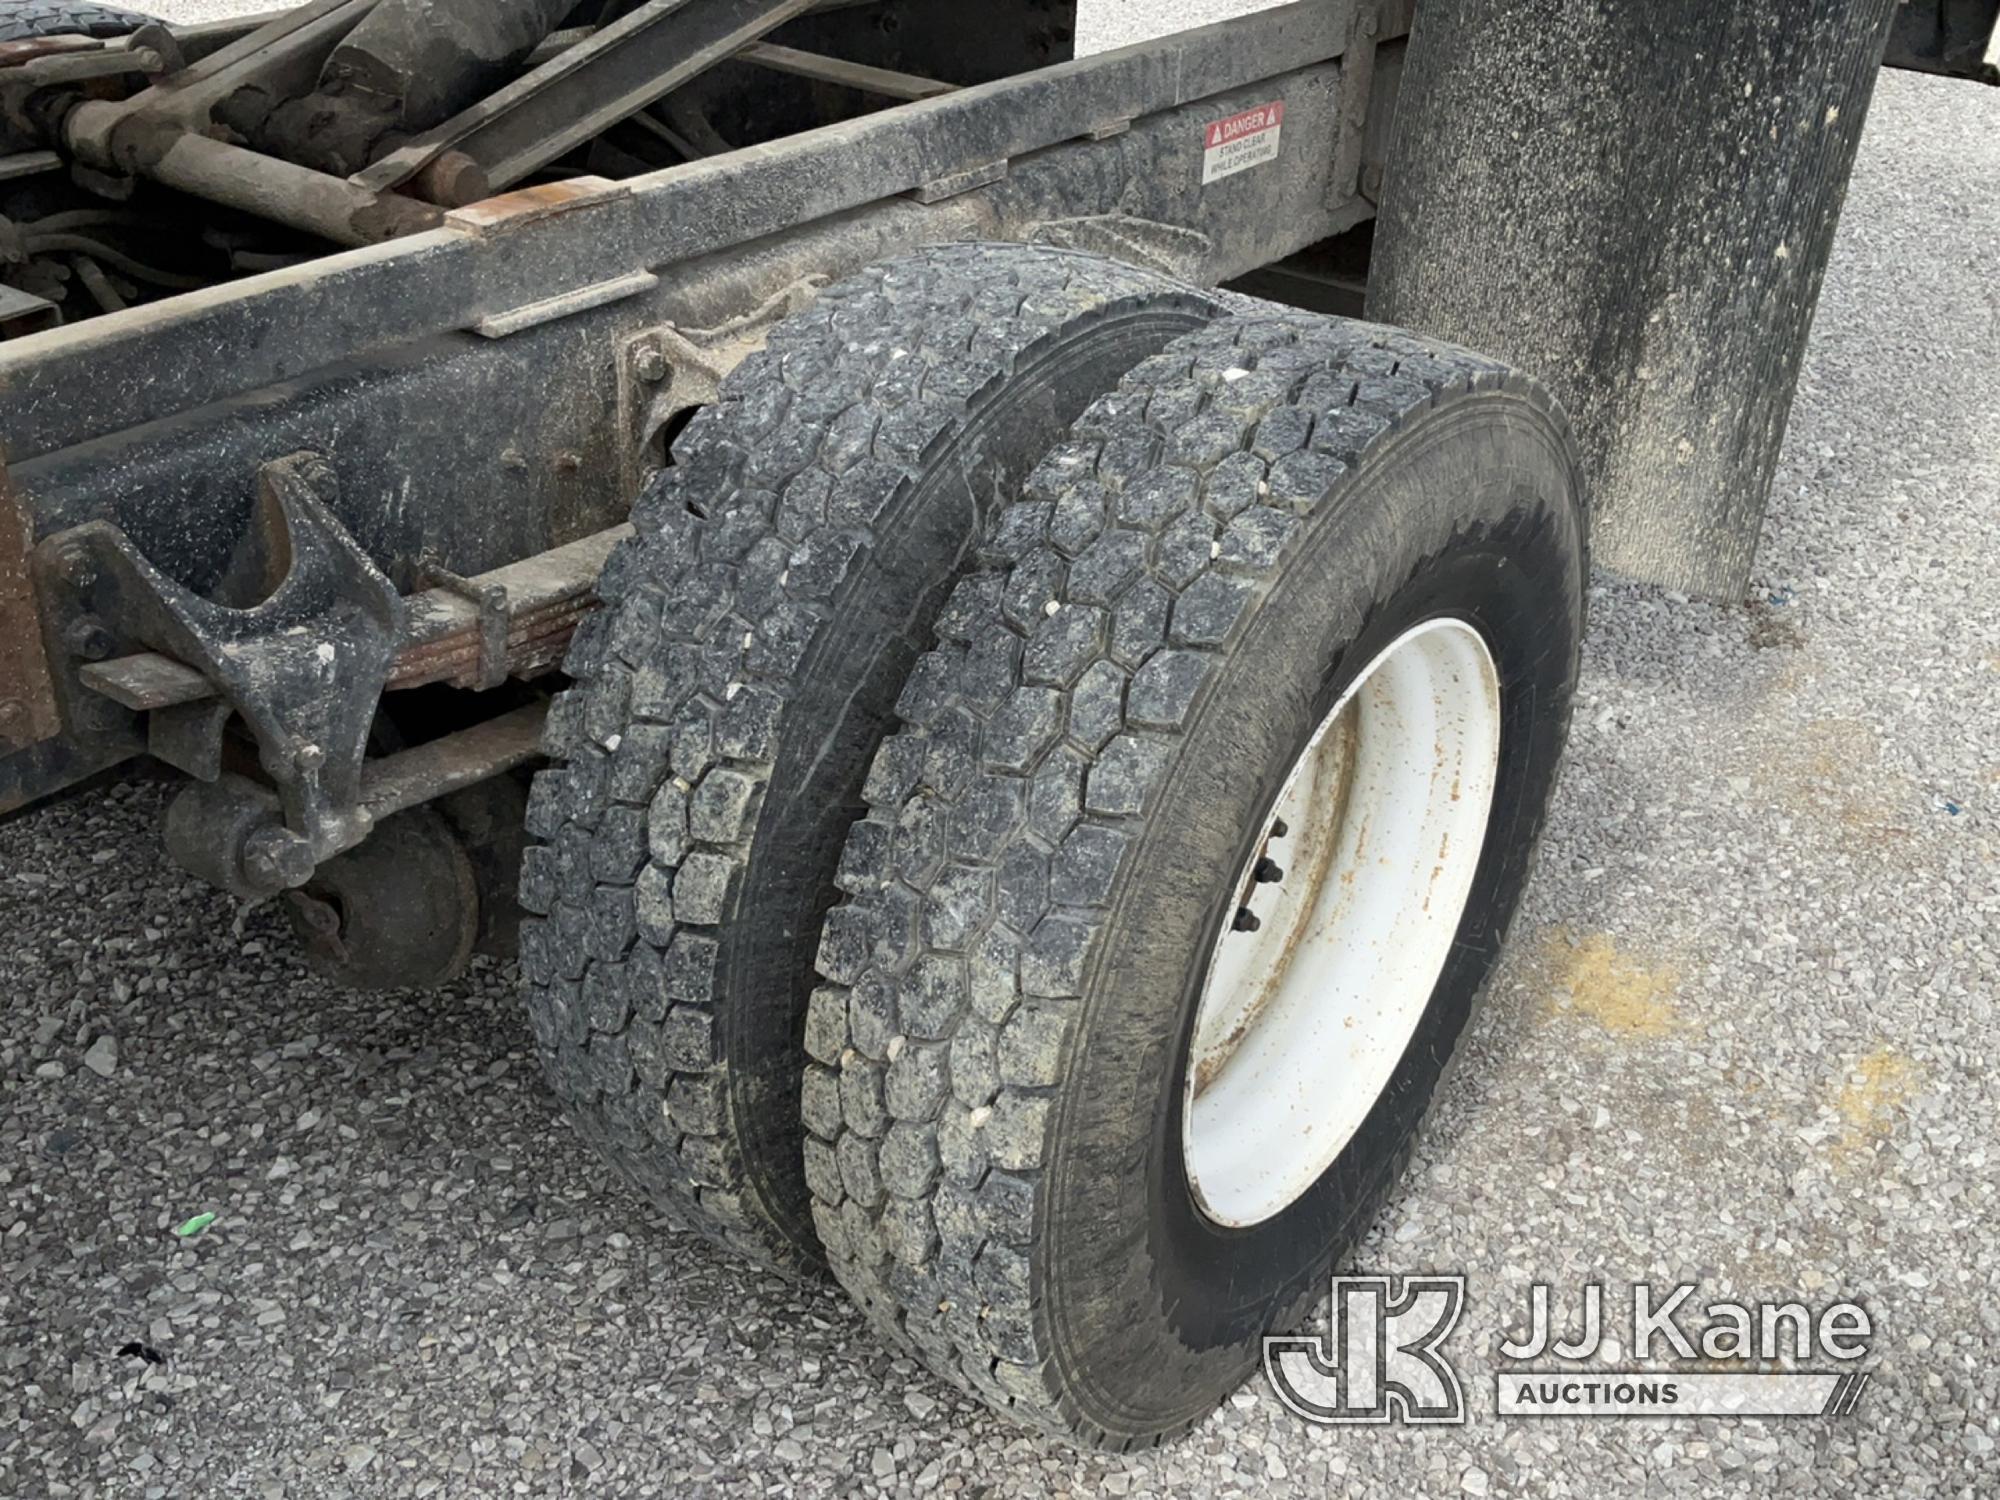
495 383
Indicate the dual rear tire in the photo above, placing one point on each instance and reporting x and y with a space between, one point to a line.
23 20
1204 600
729 696
1138 1162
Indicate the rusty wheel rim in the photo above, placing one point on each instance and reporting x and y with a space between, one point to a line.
1345 914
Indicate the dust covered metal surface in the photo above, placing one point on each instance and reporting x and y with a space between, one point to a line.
56 391
28 713
1636 206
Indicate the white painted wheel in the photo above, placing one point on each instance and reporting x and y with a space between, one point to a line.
1345 916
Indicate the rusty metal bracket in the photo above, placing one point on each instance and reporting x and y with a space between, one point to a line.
304 669
229 830
495 623
1357 89
282 55
667 371
28 712
165 132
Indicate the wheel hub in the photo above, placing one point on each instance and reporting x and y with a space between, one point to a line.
1345 914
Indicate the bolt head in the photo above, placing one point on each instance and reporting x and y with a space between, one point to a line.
278 859
650 364
87 639
320 917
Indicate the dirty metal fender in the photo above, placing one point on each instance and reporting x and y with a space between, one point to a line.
1634 203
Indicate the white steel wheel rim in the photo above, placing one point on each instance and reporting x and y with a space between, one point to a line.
1377 833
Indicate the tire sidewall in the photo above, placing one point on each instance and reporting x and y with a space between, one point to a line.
1147 1303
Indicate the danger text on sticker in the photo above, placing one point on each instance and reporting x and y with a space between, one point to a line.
1241 141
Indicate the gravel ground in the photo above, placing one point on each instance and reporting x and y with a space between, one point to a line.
1740 1038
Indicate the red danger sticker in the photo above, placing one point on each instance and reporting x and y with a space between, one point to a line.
1242 141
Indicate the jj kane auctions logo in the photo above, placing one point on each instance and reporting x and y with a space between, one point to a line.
1384 1360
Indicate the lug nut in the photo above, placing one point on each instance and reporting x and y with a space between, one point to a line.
1268 871
1278 828
1246 920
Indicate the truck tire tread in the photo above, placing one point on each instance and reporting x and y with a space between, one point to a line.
926 1153
665 747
